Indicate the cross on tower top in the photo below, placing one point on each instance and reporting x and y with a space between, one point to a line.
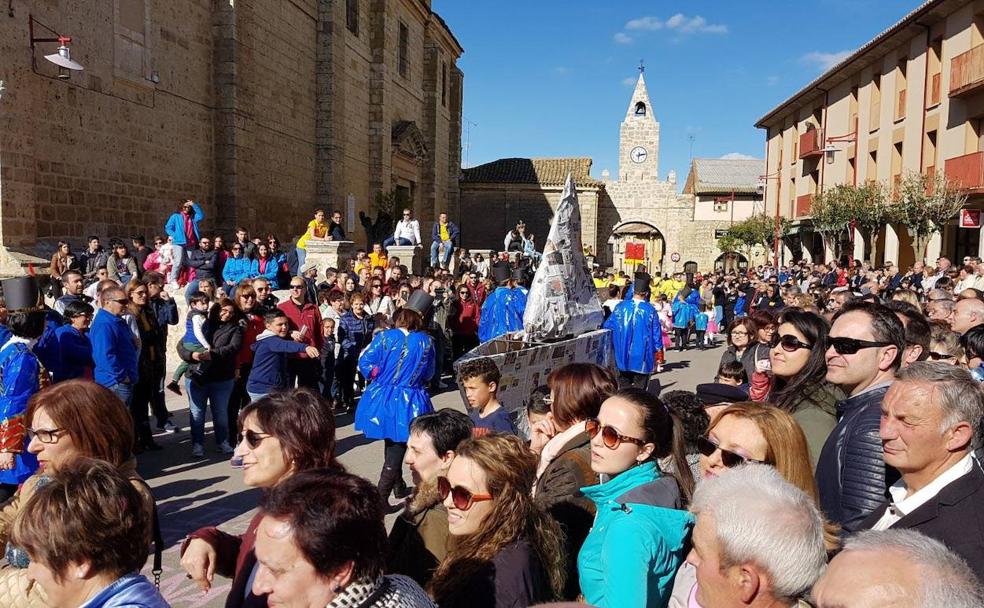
642 68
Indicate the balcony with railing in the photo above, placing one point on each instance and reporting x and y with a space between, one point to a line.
966 172
810 144
967 72
803 204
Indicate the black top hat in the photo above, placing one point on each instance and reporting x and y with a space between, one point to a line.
518 274
420 302
501 272
22 294
641 283
715 393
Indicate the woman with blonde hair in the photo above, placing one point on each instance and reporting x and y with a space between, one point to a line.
750 432
506 551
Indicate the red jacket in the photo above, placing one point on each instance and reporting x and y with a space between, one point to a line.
464 321
235 559
254 327
306 316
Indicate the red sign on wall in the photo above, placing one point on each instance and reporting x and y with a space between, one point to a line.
970 218
635 253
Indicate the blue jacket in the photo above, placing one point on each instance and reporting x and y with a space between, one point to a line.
683 313
399 366
75 354
113 350
637 542
128 591
166 311
502 312
700 321
46 348
175 226
636 336
237 269
453 232
19 381
269 371
852 476
269 272
354 334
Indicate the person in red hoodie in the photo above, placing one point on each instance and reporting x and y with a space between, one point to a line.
305 327
247 302
463 322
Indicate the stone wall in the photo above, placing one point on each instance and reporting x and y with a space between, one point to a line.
262 111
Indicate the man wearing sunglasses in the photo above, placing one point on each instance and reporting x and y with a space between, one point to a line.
113 349
305 327
636 335
864 350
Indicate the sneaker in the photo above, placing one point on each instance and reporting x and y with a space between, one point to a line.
170 427
225 448
197 450
173 387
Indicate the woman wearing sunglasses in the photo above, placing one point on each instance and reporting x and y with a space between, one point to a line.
944 344
68 421
755 433
639 537
378 302
282 434
506 550
796 381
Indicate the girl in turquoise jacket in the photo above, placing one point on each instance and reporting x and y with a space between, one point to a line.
640 533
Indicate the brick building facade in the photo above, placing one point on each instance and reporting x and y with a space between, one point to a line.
263 111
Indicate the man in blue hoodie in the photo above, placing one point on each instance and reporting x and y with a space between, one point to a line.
113 349
269 372
182 227
636 335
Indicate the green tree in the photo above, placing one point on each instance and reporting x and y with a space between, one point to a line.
831 212
871 211
924 205
759 230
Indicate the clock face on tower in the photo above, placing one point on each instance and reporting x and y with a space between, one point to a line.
638 154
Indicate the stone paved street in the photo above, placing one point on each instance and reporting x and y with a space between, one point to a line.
195 493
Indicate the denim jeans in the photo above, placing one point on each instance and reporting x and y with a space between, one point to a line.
301 256
256 396
402 242
124 392
191 288
200 396
448 252
178 259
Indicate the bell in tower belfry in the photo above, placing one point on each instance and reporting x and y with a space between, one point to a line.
639 137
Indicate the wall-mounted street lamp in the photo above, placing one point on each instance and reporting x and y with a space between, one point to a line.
62 58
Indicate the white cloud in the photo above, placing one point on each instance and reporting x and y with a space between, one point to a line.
772 80
629 81
737 156
679 23
623 38
825 61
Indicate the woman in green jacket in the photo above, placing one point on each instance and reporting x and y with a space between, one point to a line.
639 536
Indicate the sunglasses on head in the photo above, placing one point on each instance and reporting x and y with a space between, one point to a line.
850 346
461 498
609 435
939 356
707 447
252 438
789 343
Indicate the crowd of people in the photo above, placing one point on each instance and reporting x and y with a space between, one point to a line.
831 459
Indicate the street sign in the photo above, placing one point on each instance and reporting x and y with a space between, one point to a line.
720 232
674 257
970 218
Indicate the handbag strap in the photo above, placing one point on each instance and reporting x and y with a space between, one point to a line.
158 537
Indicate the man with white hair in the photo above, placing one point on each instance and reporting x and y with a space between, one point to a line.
967 313
758 540
898 568
929 422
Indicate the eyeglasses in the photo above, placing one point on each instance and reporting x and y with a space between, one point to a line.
609 436
122 301
461 498
142 292
252 438
247 296
297 286
377 286
262 289
739 332
940 356
850 346
707 447
48 436
789 343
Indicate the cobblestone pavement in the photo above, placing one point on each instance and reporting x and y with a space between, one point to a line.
192 493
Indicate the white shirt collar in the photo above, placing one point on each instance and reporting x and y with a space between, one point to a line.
904 505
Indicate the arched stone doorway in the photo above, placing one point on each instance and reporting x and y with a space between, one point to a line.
731 261
409 155
630 235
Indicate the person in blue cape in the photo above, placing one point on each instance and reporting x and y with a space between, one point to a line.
684 309
503 310
636 335
21 376
399 364
630 292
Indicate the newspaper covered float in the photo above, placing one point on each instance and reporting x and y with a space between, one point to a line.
561 320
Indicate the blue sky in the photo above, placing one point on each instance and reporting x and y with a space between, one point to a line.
554 77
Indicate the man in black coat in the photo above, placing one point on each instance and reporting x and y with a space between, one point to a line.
864 350
205 261
930 418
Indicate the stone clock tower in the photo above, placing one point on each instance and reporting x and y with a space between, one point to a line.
639 139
